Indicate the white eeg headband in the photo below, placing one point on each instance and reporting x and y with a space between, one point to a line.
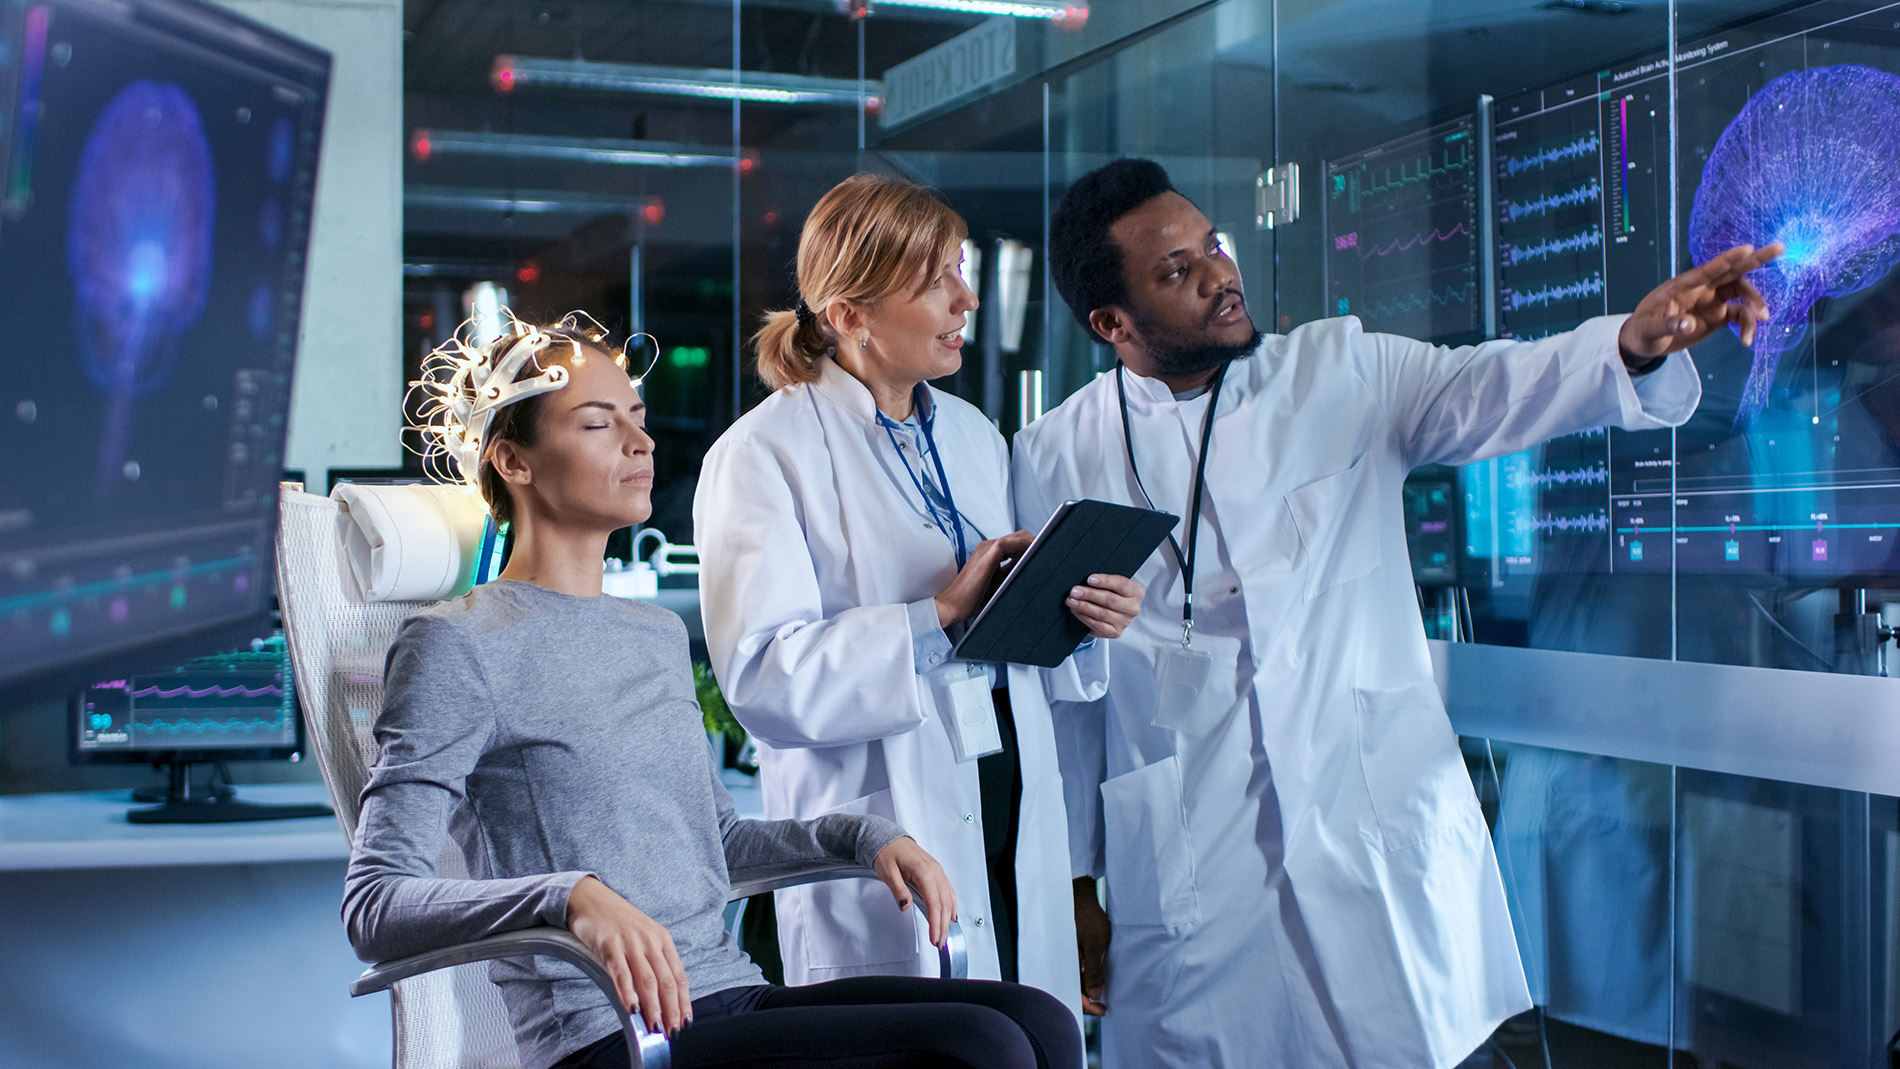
464 386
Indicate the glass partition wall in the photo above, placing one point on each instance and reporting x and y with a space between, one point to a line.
1445 170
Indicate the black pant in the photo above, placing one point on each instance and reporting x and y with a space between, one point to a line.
1000 784
866 1022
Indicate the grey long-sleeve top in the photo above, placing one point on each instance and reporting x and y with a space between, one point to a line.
556 737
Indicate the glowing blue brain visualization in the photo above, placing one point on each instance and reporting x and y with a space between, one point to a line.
1812 161
139 250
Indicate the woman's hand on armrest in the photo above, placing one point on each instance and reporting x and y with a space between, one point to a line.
636 951
1108 604
904 865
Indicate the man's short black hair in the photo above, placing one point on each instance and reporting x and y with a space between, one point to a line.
1085 262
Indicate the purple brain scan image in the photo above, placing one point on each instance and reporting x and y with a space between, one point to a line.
138 247
1812 161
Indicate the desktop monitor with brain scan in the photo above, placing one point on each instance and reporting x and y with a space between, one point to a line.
158 163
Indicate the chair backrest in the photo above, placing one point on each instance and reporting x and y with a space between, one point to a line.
452 1019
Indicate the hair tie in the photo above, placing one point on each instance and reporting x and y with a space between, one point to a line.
803 313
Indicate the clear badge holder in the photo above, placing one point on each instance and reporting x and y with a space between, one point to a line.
969 713
1180 677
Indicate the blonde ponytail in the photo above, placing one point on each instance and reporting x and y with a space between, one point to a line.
867 238
788 350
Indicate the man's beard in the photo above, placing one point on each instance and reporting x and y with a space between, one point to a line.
1180 353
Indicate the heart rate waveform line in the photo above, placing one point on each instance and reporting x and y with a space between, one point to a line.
1544 295
1433 236
1361 186
1591 523
209 692
1545 249
1591 476
1586 193
1418 302
208 725
1587 145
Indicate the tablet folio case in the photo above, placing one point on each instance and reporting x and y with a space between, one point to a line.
1028 620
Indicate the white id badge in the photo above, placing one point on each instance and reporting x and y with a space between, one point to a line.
969 714
1181 675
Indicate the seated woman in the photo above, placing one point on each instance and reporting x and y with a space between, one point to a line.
555 733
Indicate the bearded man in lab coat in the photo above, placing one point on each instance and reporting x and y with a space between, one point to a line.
1297 871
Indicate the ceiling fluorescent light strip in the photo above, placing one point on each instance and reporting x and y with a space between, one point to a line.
428 144
1063 13
515 72
537 202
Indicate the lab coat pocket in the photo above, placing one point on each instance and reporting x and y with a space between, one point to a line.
1338 519
1409 756
1150 860
857 921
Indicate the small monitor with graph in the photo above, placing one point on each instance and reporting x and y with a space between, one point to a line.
231 706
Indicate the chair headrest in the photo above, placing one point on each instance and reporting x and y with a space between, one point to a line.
415 542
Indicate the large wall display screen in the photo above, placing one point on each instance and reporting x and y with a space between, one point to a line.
1788 130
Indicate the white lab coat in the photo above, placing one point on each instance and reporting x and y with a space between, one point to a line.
809 556
1303 877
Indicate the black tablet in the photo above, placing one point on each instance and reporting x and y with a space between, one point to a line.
1027 620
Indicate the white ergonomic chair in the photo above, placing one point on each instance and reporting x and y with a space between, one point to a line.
407 546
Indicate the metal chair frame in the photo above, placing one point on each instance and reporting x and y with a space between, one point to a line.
655 1052
323 696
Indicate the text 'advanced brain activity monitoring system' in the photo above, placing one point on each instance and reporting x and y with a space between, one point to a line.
157 170
1788 130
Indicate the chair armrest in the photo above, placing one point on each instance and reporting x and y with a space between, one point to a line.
654 1050
758 879
953 956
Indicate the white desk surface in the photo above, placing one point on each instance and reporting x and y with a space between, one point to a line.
88 830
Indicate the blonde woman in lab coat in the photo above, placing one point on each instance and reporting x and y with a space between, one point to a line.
846 527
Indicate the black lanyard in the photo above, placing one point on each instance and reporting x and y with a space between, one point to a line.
955 533
1194 498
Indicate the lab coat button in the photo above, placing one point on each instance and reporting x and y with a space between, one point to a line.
969 818
979 922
